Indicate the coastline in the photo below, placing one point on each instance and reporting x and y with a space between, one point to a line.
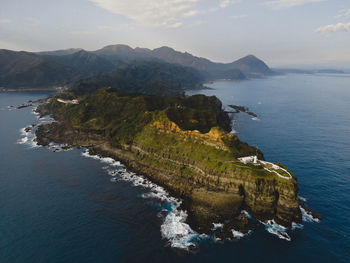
206 204
58 89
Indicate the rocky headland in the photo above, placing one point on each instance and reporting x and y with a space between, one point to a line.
184 145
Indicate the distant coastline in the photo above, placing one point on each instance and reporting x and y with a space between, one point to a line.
31 89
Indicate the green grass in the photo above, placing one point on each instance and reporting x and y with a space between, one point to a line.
127 119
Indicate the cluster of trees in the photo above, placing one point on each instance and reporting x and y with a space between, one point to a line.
151 78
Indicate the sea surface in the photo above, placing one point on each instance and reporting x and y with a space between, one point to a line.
68 206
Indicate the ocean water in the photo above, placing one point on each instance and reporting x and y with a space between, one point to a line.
69 206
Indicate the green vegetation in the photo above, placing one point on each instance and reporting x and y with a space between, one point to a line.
126 119
151 78
133 68
182 144
120 116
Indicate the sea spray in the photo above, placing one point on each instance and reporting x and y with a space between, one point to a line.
307 216
174 227
273 228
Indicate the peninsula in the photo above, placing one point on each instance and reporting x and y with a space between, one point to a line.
182 144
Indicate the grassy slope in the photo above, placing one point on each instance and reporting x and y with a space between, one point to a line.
126 119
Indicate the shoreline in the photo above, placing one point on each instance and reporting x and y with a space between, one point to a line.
3 90
226 199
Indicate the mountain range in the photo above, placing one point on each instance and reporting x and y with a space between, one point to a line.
66 67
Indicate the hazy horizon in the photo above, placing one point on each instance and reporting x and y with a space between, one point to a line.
283 33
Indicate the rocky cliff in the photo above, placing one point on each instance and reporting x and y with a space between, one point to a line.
185 147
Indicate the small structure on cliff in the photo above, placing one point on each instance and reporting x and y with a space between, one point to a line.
249 159
75 101
268 166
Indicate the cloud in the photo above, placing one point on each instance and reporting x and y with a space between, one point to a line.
152 13
333 28
191 13
176 25
239 16
160 13
280 4
225 3
5 21
82 33
343 13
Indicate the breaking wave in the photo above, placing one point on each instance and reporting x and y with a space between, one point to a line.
237 234
297 226
174 227
307 216
272 227
28 136
302 198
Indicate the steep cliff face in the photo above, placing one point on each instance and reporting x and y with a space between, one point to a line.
200 167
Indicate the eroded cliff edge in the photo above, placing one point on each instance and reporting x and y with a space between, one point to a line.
183 145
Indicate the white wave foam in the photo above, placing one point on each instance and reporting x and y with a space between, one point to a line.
107 160
246 213
217 226
174 227
23 131
256 119
22 140
57 147
297 226
302 198
307 216
29 137
25 134
35 112
237 234
273 228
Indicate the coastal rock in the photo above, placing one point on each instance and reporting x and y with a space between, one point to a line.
201 168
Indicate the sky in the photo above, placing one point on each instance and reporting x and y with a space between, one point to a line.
281 32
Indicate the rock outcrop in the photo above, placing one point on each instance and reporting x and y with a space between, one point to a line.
200 168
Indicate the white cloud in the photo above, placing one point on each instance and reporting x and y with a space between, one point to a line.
239 16
191 13
223 4
160 13
343 13
333 28
5 21
279 4
176 25
152 13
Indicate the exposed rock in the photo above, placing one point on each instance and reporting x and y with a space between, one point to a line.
212 189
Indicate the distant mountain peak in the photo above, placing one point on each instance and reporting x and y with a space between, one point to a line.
165 48
65 66
252 66
249 58
117 47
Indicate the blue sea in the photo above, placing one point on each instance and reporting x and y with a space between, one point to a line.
69 206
